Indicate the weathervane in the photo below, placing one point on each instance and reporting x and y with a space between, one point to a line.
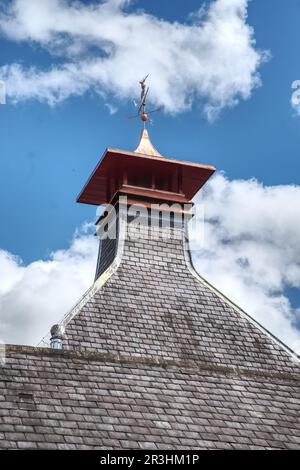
142 106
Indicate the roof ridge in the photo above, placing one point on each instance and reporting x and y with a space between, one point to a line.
151 361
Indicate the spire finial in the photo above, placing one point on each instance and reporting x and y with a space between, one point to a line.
145 146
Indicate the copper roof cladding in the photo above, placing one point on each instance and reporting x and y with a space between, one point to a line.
108 176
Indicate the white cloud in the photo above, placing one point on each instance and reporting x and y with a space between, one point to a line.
34 297
103 47
251 254
251 249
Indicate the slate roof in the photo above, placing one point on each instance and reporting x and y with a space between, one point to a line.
78 400
153 305
155 359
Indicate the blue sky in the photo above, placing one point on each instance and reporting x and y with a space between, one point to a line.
47 152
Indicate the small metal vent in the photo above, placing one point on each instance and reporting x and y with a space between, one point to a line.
57 336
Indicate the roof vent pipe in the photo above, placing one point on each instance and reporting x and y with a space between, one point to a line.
57 336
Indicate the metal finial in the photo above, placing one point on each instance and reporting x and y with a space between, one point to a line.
145 146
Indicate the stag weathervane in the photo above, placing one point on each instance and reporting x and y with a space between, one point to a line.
142 106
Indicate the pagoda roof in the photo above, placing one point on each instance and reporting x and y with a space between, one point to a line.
95 191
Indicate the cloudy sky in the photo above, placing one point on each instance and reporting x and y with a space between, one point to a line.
228 84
